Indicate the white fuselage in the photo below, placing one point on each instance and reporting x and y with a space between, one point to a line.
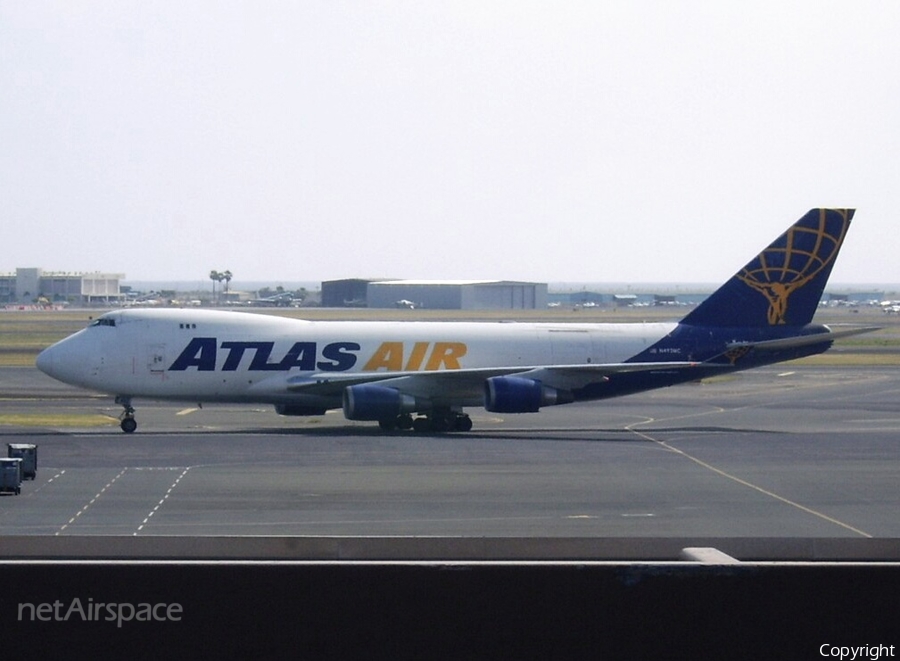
212 356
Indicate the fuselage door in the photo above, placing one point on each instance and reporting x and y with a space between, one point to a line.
571 347
156 358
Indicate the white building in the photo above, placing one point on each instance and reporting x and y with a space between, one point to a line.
28 285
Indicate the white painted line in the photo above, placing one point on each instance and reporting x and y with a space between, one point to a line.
93 500
161 502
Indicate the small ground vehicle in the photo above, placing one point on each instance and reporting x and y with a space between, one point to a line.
27 452
10 475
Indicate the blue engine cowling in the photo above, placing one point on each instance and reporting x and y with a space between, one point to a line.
373 402
516 394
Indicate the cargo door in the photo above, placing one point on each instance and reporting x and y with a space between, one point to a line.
571 346
156 358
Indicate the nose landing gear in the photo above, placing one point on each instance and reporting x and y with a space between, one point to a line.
128 423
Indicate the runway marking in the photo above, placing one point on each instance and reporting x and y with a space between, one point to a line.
47 483
164 499
745 483
93 500
187 411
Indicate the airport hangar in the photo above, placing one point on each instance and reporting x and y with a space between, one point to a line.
436 294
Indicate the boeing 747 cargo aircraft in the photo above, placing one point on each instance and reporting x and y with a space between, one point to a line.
423 375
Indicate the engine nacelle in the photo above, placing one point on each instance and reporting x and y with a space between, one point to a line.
516 394
374 402
297 409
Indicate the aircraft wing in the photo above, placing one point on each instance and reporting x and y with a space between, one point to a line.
460 383
328 383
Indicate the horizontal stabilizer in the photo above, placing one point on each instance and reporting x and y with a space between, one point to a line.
802 340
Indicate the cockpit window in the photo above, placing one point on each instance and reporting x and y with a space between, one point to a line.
104 321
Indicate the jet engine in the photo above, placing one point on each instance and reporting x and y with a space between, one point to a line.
516 394
373 402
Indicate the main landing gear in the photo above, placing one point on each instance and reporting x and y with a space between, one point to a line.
128 423
437 421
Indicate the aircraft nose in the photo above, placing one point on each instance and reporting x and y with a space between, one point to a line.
44 361
65 361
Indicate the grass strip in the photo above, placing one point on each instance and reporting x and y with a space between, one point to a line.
57 420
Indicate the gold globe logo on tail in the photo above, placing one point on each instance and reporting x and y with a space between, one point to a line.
781 270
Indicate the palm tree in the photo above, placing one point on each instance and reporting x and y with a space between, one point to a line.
226 276
215 276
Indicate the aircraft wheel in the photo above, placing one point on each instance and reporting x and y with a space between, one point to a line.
422 425
404 422
464 423
128 425
387 425
441 423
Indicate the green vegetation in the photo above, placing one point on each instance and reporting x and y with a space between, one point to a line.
17 358
57 420
852 359
25 333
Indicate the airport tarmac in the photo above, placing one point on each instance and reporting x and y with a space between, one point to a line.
776 453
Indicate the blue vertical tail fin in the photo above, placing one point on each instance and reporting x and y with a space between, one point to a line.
783 284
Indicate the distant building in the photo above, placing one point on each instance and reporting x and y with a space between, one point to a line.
351 292
459 294
29 285
435 294
854 297
625 300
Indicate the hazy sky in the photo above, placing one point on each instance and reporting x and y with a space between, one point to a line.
549 141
